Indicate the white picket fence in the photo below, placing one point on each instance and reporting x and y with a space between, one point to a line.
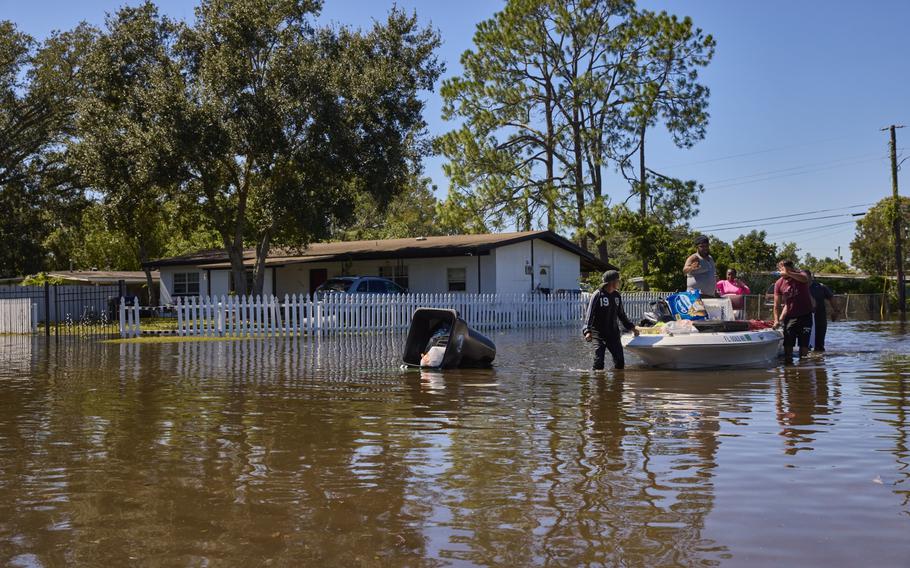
18 315
129 319
249 316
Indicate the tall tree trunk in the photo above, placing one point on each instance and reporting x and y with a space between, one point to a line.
233 242
580 225
594 155
262 253
550 142
238 271
643 190
143 259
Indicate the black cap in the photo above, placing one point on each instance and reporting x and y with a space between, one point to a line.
610 276
700 239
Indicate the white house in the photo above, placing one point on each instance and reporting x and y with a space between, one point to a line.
488 263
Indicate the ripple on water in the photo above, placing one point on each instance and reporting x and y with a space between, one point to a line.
329 453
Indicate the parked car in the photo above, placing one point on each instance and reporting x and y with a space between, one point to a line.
359 285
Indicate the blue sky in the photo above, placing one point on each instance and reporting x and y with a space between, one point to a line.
799 91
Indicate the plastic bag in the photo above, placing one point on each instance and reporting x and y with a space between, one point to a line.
687 306
433 357
679 327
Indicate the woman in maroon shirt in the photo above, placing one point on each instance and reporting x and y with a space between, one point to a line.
792 290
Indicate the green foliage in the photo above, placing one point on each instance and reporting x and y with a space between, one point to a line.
667 54
872 247
753 254
92 244
788 251
39 83
288 124
128 124
825 265
871 285
548 96
666 249
411 213
502 167
40 279
724 256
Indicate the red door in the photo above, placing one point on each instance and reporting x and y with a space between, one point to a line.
317 277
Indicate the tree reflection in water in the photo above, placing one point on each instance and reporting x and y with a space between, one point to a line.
327 453
804 403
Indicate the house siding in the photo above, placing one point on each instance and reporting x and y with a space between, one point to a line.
211 282
510 268
565 267
501 271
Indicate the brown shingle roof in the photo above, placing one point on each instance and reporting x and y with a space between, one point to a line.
420 247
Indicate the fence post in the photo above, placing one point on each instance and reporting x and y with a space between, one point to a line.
47 309
136 329
122 314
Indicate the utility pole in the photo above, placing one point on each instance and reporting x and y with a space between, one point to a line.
643 189
898 252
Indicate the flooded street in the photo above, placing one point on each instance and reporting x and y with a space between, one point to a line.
285 452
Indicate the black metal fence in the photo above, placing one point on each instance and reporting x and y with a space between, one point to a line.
72 310
849 306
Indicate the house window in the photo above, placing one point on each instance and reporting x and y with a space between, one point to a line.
186 284
457 279
397 274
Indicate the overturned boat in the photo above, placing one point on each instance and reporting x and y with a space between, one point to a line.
719 341
440 339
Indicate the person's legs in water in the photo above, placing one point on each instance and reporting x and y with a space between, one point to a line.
789 338
821 328
615 347
600 348
804 330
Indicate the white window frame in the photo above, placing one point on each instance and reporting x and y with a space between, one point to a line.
397 274
460 285
184 281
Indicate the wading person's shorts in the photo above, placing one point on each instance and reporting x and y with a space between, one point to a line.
797 329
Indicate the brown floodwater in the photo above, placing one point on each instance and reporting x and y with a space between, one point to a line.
277 452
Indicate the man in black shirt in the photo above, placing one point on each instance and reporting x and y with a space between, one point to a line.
602 319
821 293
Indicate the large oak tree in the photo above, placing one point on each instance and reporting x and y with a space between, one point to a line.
288 123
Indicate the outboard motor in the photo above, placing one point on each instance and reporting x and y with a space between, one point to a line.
661 311
441 339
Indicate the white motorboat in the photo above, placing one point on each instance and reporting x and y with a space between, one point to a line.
705 349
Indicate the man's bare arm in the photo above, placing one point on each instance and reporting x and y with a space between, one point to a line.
692 264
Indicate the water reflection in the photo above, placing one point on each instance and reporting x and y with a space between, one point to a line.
804 403
327 453
891 402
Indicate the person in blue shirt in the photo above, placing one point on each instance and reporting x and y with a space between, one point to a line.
821 294
605 312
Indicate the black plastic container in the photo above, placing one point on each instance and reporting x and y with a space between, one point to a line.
464 346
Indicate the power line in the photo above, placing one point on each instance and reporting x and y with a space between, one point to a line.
799 167
809 171
785 216
756 152
825 235
738 227
809 229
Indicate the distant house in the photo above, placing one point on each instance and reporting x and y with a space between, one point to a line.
488 263
133 281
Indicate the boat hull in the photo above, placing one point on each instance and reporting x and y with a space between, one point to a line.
705 350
